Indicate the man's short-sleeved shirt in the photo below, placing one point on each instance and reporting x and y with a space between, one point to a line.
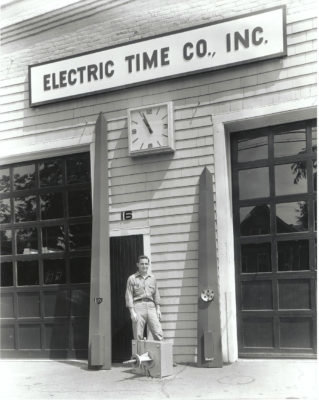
139 287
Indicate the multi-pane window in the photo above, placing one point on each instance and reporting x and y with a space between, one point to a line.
45 216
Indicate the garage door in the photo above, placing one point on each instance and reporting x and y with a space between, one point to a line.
45 216
274 173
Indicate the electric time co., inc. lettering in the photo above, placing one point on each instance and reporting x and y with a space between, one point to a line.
73 76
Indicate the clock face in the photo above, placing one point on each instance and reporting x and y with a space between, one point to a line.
150 129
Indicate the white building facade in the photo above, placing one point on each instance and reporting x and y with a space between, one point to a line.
250 122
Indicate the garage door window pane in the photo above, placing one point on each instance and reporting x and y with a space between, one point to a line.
253 183
79 203
51 205
7 337
291 178
27 241
80 237
53 239
289 144
25 208
30 336
256 257
293 255
78 168
28 273
294 294
6 274
24 177
5 242
5 211
51 172
292 217
54 272
80 270
296 333
4 180
257 295
258 332
57 336
255 220
251 149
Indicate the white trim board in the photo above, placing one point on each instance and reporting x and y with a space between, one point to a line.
28 153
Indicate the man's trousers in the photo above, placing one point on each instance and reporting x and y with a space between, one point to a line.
146 313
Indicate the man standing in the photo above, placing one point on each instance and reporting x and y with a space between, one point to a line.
143 301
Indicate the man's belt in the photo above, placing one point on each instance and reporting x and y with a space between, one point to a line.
144 299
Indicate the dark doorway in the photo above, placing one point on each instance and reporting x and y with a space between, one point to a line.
124 253
274 173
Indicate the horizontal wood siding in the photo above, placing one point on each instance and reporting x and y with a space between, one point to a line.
162 190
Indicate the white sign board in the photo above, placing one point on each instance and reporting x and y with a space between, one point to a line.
208 47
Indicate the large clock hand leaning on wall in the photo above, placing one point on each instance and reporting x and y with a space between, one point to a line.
146 123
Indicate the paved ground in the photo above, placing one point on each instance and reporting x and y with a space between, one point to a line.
261 379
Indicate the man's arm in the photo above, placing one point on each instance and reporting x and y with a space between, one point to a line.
157 300
129 299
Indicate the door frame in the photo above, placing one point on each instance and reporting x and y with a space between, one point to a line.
223 125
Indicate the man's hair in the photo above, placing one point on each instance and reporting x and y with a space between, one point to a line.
142 256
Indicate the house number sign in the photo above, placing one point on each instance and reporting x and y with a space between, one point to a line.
126 215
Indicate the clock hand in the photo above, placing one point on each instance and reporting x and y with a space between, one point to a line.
146 123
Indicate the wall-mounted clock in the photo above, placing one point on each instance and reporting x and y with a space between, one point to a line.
151 129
